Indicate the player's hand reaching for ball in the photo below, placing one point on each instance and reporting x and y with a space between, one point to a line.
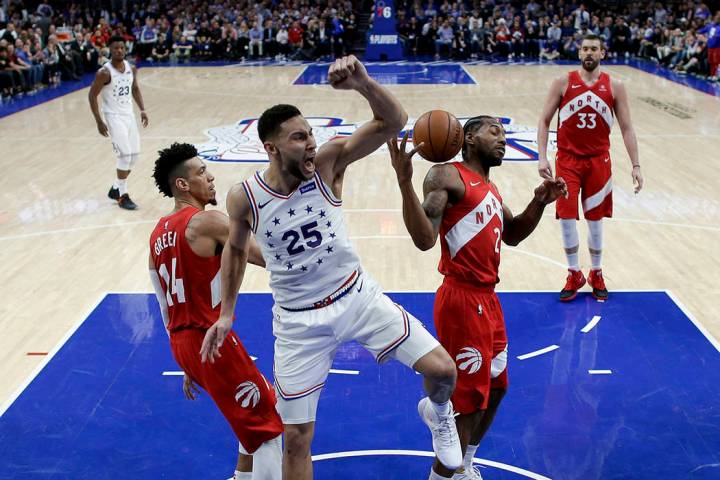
402 160
551 190
347 73
213 340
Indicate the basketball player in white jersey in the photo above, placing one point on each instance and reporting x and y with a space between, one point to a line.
323 297
116 81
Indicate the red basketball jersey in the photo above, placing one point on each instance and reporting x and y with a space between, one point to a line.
586 116
471 232
191 282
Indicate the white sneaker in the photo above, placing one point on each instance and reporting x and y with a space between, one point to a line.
446 442
472 474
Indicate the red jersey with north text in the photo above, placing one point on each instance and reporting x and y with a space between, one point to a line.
471 232
586 116
191 283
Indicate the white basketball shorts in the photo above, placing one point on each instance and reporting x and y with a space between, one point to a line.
306 343
124 134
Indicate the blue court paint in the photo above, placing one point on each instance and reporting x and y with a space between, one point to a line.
102 409
396 73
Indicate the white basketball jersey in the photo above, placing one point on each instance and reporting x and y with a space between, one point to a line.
117 95
303 239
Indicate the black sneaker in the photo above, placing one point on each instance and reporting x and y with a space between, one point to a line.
114 193
126 203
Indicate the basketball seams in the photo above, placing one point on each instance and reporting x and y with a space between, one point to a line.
448 132
429 136
430 128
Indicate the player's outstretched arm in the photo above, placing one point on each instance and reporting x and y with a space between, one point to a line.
233 263
622 111
389 117
137 95
421 220
552 102
102 78
518 228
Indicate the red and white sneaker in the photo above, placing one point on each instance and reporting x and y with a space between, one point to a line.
575 281
597 282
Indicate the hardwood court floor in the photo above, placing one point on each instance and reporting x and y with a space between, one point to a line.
64 244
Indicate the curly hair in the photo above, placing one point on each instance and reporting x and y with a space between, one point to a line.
170 165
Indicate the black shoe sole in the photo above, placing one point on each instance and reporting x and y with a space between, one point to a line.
600 295
567 299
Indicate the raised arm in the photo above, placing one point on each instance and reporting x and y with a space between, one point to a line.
622 112
518 228
137 95
102 78
421 220
389 117
552 102
233 263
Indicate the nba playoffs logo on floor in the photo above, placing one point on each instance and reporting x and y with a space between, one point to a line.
247 394
241 143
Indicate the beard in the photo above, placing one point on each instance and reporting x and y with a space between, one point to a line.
590 64
292 168
490 161
213 202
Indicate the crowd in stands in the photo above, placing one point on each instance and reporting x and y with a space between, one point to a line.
42 44
675 34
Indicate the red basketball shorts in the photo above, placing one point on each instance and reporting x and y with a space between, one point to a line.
470 325
235 384
587 177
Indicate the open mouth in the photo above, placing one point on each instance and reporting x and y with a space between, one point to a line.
309 165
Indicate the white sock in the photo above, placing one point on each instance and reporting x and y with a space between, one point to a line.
435 476
115 182
595 242
122 186
242 475
441 409
469 455
267 461
571 241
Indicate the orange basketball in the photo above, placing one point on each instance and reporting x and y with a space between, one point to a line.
442 134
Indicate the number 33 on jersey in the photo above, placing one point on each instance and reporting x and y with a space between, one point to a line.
586 116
